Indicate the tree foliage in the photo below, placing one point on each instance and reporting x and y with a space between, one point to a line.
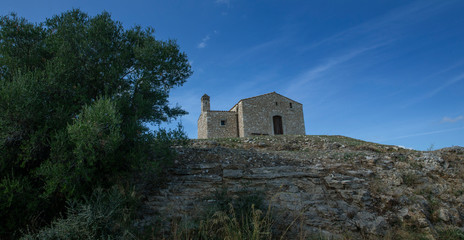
76 95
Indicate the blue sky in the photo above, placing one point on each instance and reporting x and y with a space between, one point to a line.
386 71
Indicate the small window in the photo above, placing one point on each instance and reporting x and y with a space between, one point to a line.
276 103
291 105
223 122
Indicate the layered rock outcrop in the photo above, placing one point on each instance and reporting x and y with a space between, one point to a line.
329 185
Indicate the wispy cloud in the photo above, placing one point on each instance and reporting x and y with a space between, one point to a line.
381 28
423 134
258 49
223 1
436 90
332 62
452 120
447 69
327 67
360 39
445 85
203 42
367 36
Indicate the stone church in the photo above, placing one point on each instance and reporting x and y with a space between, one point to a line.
267 114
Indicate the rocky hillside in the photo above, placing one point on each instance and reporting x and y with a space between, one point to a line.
327 186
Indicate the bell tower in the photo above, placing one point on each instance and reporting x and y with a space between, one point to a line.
205 103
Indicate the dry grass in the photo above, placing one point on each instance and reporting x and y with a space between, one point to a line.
229 225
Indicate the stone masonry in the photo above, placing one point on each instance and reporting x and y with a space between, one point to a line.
267 114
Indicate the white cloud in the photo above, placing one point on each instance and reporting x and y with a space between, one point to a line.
403 147
201 45
452 120
203 42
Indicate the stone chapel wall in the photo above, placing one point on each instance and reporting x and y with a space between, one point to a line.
218 124
252 116
258 115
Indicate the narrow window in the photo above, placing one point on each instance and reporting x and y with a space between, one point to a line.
291 105
223 122
276 103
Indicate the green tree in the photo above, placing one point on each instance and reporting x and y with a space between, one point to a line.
76 96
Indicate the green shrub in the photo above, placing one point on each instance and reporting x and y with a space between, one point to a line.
77 97
86 154
106 214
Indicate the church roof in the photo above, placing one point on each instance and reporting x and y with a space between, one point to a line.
262 96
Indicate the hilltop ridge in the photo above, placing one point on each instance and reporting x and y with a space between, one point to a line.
333 186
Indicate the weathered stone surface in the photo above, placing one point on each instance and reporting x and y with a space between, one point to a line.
332 185
370 223
231 173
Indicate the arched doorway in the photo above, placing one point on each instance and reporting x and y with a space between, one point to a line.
278 129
